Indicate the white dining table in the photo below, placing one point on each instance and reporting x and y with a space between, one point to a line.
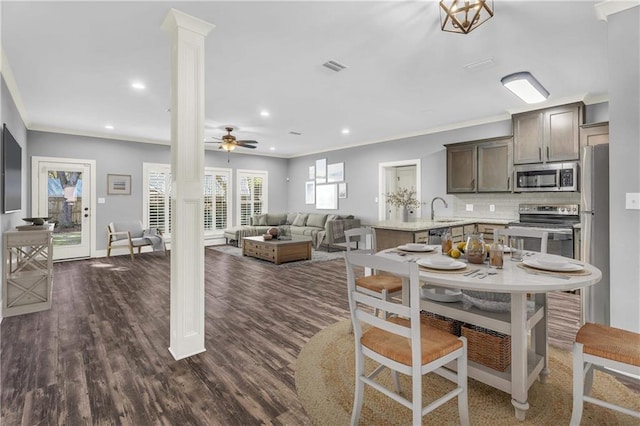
529 359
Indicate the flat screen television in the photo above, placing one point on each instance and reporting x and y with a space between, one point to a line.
11 172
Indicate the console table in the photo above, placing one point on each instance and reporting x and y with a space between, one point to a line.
28 272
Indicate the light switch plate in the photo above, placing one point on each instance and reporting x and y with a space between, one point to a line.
101 200
469 207
633 201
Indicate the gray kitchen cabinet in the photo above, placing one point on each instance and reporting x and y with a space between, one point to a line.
495 164
461 168
480 166
594 134
550 134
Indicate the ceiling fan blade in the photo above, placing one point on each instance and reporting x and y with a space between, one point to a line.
247 141
247 146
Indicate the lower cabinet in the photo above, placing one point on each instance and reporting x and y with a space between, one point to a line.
27 272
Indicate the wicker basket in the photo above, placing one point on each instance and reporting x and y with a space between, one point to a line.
487 347
440 322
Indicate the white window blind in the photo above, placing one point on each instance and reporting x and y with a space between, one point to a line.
252 194
157 200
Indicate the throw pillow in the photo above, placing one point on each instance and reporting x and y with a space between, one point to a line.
276 219
300 220
259 220
332 217
291 217
316 220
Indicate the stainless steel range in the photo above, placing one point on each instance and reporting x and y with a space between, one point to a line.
557 219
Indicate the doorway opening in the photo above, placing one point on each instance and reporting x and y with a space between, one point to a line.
395 175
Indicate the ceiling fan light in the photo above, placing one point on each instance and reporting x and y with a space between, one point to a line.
526 87
463 16
228 146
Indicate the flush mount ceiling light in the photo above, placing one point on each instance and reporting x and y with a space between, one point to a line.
526 87
463 16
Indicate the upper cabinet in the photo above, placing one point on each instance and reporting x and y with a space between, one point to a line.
480 166
550 134
461 168
594 134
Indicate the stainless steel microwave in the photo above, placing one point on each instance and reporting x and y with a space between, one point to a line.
549 177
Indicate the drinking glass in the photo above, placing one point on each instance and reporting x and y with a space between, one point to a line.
517 248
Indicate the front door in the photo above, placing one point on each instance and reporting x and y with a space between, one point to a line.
61 189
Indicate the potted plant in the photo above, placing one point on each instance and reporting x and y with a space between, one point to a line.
403 198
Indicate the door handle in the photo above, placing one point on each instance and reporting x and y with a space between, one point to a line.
540 154
547 153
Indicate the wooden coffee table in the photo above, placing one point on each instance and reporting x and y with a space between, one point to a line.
277 251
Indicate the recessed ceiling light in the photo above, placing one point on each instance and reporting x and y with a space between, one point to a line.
138 85
273 148
109 126
345 131
264 113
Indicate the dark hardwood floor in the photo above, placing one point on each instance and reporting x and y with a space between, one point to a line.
100 357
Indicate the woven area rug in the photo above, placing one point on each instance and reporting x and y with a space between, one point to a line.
325 376
316 256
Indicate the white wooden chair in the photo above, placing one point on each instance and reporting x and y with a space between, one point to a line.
543 236
381 286
402 343
128 235
607 349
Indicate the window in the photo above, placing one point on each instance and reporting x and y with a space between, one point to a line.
157 199
252 194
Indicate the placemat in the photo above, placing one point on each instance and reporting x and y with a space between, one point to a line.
582 273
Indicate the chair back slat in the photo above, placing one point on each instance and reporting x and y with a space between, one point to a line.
543 236
361 235
383 305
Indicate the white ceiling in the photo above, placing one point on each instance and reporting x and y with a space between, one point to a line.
73 63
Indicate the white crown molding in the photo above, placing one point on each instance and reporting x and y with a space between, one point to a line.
439 129
7 74
609 7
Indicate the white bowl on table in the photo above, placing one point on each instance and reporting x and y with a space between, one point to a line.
441 261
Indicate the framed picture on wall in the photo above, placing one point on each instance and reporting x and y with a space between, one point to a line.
321 170
310 192
119 184
335 172
312 172
342 190
327 197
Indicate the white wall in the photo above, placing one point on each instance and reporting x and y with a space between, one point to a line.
624 134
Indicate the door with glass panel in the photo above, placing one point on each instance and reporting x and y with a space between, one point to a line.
61 191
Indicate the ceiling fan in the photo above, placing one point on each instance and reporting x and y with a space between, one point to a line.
229 142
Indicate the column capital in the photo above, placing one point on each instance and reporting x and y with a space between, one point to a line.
176 19
609 7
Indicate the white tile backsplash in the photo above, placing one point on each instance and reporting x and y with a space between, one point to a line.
506 205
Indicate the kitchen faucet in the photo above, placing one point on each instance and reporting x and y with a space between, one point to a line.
432 201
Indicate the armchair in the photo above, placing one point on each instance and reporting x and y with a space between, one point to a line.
131 235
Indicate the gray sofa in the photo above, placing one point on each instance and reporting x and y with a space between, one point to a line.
322 228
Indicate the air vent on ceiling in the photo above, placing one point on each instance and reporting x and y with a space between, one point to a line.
295 133
334 66
481 64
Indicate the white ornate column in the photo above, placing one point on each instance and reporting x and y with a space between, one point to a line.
187 170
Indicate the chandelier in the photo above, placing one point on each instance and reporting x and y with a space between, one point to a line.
463 16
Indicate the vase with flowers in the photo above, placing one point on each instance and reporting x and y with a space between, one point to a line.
405 199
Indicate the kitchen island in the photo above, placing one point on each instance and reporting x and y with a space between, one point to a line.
394 233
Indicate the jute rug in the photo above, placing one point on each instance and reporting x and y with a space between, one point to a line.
325 384
316 256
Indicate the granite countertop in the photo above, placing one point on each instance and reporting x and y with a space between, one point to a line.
425 224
